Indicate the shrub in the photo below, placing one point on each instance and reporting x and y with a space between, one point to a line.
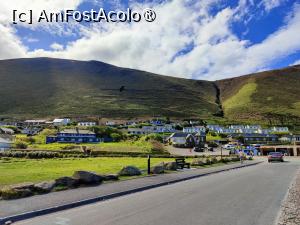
157 148
20 145
154 137
214 160
116 137
225 160
208 161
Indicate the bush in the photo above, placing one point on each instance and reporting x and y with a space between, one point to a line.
154 137
208 161
116 137
20 145
225 160
157 148
214 160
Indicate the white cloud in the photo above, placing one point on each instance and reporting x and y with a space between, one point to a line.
11 46
297 62
271 4
57 47
213 51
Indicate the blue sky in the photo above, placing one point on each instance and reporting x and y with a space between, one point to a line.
210 39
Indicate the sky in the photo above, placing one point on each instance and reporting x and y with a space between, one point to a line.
207 40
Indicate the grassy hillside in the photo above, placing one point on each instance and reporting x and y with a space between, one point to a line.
43 87
272 97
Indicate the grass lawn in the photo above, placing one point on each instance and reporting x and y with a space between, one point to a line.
15 171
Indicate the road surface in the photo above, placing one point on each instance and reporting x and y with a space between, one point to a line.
248 196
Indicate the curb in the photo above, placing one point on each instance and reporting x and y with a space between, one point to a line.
31 214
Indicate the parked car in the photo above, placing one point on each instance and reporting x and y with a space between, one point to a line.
198 149
275 156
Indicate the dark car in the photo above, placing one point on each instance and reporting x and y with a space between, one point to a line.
275 156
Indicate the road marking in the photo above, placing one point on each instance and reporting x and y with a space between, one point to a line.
62 221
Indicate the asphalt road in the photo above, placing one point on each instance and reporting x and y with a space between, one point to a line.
248 196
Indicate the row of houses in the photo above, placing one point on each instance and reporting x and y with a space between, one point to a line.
246 129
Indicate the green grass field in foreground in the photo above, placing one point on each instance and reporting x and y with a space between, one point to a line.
15 171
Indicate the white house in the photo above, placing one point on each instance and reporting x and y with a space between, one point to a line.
236 127
34 122
5 143
87 124
280 129
195 129
4 130
180 139
61 122
110 123
255 127
31 130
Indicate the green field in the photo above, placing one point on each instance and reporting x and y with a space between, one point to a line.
15 171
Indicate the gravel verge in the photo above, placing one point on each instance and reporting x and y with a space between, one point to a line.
290 209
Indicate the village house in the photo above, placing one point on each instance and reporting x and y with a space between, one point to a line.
5 142
61 122
188 140
32 123
31 130
4 130
286 139
194 129
87 124
110 123
254 127
280 129
73 136
296 139
181 140
257 138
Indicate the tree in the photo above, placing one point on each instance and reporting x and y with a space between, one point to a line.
116 137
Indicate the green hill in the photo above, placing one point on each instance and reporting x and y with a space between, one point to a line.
43 87
272 96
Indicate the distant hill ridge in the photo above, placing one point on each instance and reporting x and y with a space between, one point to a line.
47 87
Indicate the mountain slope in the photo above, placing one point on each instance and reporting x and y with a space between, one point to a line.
272 96
43 87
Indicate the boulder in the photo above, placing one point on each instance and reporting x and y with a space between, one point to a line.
22 186
171 166
85 177
44 187
11 193
130 171
67 181
197 162
158 169
110 177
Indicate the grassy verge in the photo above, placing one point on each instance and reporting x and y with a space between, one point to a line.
15 171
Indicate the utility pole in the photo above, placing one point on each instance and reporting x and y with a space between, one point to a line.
149 164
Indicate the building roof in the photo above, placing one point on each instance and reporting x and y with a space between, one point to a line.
35 121
59 120
180 134
5 141
254 135
74 131
7 130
